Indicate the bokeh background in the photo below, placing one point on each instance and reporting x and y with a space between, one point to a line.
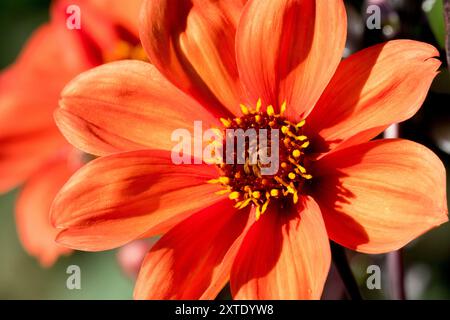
427 260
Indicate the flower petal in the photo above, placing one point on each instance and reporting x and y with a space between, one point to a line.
101 27
26 145
372 89
124 106
118 198
288 50
33 210
22 155
192 42
283 256
40 59
378 196
193 260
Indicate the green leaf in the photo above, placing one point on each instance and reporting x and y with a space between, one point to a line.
434 11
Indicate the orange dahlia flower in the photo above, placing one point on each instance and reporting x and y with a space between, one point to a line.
32 150
267 235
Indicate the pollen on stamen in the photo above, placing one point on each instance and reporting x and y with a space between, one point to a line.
244 183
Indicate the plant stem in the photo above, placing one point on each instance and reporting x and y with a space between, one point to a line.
394 259
341 263
447 27
396 275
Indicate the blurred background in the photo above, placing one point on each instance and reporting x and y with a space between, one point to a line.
427 260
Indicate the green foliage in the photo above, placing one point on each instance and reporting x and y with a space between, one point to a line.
436 20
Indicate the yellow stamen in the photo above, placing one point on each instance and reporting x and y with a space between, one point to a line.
244 183
301 169
296 153
283 108
264 206
258 213
225 122
242 204
288 187
301 124
224 180
244 109
234 195
307 176
295 198
256 194
274 192
222 192
258 105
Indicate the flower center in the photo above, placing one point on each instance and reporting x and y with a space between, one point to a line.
245 183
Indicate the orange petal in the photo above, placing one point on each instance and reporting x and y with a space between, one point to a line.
288 50
193 44
283 256
22 155
118 198
33 210
372 89
193 260
100 27
124 106
378 196
26 144
22 88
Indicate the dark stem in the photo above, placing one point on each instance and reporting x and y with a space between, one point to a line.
341 263
396 275
447 27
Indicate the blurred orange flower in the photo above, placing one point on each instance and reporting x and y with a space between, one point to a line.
32 151
267 235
